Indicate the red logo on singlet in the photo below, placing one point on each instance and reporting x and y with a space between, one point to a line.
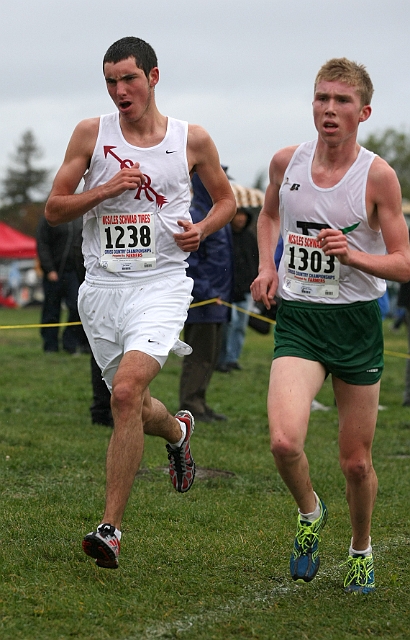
149 191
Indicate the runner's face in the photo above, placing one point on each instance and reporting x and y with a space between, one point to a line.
130 89
337 111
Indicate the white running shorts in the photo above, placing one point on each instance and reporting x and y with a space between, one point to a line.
143 316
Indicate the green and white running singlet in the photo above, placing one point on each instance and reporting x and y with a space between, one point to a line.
329 311
305 273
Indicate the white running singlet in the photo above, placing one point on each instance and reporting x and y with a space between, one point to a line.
305 273
131 236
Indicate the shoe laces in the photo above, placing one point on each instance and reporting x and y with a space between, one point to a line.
360 570
106 530
177 456
307 536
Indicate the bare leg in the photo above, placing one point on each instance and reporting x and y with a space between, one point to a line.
158 421
294 382
358 408
132 405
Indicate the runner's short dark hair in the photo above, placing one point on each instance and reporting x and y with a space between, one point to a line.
142 52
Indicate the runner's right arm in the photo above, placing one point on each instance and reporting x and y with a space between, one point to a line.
63 204
264 287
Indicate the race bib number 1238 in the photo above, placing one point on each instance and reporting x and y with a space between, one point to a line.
127 242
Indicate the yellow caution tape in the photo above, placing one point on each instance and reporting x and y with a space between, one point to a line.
192 306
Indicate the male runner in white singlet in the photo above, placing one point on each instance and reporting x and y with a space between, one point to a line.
136 165
338 209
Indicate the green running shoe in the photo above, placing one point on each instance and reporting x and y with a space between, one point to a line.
360 576
305 561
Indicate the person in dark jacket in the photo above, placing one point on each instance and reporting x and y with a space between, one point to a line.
100 408
246 262
211 268
60 283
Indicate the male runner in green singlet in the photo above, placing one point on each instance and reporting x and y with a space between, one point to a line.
338 208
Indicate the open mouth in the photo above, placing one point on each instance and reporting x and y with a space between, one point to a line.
125 104
330 126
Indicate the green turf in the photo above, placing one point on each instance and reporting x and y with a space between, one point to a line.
211 564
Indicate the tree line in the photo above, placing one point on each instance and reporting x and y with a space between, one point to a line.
25 185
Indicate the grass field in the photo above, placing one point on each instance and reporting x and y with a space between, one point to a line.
211 564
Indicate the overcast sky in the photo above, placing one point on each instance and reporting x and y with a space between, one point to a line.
242 69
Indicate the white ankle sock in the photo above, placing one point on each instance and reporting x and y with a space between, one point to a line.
314 515
365 553
176 445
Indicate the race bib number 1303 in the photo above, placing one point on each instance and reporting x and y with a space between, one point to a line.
308 271
127 242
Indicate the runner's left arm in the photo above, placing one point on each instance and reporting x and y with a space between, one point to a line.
384 207
204 159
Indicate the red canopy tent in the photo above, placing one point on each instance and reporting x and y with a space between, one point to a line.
15 245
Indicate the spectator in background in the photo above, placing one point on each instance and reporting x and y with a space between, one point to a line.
246 261
403 302
399 317
384 304
101 406
60 283
211 268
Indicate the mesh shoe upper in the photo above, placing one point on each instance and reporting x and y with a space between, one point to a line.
305 561
181 463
